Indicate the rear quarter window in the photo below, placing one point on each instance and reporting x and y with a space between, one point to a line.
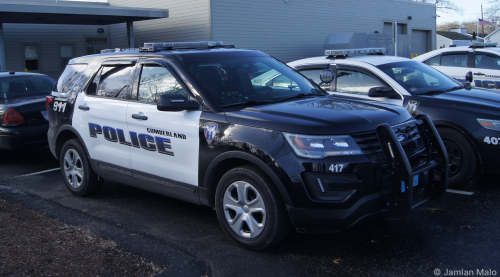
69 77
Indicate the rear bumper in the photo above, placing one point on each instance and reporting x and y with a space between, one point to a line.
23 136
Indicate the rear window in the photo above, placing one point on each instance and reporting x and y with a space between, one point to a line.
71 74
24 86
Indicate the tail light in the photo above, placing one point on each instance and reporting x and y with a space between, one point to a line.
48 100
13 117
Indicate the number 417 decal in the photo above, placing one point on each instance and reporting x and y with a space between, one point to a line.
492 140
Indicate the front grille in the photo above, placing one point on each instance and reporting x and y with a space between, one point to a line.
412 143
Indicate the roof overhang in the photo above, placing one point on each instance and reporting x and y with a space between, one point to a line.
79 14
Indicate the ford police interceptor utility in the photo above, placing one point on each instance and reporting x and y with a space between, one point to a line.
196 121
481 58
468 119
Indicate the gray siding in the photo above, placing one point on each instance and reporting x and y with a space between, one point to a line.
297 29
188 21
48 38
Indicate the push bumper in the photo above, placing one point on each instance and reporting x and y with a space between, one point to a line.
395 201
21 136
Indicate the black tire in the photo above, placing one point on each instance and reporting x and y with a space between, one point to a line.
276 222
87 181
462 157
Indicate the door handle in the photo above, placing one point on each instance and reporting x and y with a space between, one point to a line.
479 74
84 107
136 116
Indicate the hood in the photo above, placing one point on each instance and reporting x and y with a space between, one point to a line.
320 116
479 100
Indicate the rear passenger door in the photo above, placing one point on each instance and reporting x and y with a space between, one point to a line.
100 115
487 70
165 143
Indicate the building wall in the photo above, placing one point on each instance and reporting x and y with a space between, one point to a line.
48 38
495 37
188 21
294 29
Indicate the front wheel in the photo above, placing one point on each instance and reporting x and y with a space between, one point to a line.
77 173
250 209
462 156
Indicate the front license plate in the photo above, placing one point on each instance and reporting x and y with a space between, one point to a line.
415 183
45 115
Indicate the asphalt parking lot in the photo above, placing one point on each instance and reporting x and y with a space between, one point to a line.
453 234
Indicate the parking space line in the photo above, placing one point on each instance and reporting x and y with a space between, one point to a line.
39 172
460 192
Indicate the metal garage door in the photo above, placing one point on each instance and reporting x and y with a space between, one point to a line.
418 42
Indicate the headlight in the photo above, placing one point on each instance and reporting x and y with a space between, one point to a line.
318 147
489 124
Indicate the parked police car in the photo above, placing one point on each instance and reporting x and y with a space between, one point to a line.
482 59
468 119
192 121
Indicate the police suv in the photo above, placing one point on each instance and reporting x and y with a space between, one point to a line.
197 121
481 58
467 118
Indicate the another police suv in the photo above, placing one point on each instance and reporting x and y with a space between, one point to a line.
196 121
482 59
467 118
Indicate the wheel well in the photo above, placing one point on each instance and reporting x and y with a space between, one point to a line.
219 171
61 139
466 134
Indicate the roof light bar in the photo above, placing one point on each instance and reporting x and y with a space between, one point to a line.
155 46
483 44
104 51
359 51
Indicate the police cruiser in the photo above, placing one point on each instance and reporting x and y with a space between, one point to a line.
197 121
467 118
482 59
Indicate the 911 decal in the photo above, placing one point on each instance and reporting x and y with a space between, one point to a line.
492 140
59 106
144 141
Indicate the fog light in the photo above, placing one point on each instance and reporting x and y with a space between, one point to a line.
321 185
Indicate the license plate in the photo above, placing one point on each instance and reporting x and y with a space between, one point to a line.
415 183
45 115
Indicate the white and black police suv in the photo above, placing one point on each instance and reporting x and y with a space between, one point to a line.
197 121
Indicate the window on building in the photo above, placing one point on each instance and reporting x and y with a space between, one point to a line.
31 58
402 28
66 54
113 82
156 81
95 45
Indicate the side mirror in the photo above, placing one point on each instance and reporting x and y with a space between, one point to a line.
382 92
176 103
469 77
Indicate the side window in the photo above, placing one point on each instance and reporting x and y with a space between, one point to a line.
355 82
487 61
113 82
156 81
68 78
434 60
456 60
313 74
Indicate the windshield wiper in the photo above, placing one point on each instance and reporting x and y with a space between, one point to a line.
301 95
249 103
442 91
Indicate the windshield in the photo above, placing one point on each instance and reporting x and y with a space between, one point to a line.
250 79
25 86
419 78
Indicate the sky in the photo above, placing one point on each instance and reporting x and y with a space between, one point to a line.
471 11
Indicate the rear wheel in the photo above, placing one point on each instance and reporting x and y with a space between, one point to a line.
462 156
77 173
250 209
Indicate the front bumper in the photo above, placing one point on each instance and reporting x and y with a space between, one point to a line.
22 136
336 201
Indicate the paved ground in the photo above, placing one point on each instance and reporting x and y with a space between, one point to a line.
457 232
